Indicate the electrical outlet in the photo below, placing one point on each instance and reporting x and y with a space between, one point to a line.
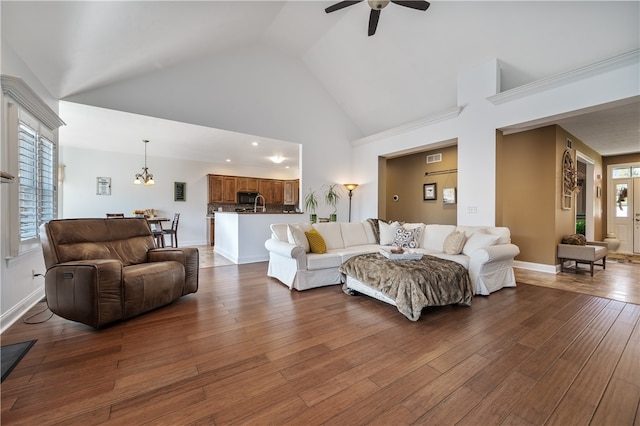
472 209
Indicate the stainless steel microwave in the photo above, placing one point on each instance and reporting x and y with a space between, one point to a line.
247 197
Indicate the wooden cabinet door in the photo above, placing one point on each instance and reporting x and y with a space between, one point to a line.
290 192
266 190
215 189
248 184
230 192
277 196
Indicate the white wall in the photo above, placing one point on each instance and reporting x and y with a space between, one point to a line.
19 290
474 125
254 90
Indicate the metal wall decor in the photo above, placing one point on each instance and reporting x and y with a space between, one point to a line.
569 179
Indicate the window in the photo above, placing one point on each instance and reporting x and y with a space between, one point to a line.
36 181
33 159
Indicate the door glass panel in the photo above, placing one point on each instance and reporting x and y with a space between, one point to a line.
621 199
635 171
621 173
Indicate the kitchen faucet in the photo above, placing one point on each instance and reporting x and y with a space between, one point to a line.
255 204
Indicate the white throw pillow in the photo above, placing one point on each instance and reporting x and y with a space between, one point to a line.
454 243
478 240
387 232
295 234
280 231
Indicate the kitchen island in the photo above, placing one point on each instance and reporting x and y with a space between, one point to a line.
240 236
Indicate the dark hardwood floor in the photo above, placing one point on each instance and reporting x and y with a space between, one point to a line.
246 350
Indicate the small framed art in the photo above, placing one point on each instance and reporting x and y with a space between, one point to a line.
429 192
449 196
179 191
103 186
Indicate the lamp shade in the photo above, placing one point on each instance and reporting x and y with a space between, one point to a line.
351 186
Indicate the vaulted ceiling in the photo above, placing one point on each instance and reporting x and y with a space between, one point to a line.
406 71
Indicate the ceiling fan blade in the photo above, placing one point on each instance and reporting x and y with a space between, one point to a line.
419 5
341 5
374 16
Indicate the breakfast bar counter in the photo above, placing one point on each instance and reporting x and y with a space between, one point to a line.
240 236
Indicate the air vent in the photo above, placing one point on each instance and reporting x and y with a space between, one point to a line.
434 158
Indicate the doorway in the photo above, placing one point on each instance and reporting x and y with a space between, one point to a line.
585 220
624 206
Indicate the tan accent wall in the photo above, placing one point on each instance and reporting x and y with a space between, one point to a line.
526 199
528 191
405 178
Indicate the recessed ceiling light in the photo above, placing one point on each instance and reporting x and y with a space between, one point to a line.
277 159
228 160
254 143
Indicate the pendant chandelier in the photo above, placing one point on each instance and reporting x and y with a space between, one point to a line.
144 177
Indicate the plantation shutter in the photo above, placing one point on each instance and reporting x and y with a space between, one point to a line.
28 178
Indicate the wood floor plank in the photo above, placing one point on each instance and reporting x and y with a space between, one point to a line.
246 350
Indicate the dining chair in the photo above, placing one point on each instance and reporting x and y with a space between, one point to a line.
114 215
158 233
173 232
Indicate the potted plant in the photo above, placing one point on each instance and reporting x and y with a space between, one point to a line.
311 204
331 198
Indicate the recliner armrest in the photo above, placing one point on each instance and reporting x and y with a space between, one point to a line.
88 291
189 257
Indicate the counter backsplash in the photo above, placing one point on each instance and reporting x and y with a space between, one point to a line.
212 208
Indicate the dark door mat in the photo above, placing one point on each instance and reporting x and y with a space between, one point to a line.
12 354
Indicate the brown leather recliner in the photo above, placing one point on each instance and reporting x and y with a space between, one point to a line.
104 270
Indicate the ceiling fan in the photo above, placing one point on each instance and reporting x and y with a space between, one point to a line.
377 6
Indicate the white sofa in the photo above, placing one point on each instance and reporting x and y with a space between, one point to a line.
487 254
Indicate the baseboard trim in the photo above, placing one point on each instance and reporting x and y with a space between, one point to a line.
16 312
538 267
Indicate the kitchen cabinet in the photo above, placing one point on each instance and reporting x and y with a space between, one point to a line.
215 189
229 189
266 190
248 184
277 196
290 193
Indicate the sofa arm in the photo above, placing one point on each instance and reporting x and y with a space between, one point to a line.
284 249
87 291
189 257
495 253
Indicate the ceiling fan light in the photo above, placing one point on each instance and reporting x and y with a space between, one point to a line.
378 4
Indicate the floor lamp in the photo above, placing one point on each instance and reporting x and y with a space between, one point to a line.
350 187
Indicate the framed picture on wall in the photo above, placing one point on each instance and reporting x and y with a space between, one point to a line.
449 196
103 186
429 192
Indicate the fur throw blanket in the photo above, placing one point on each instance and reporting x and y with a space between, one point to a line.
413 284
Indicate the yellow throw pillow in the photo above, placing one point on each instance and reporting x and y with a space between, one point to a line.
316 242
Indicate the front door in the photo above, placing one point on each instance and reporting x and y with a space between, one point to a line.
624 207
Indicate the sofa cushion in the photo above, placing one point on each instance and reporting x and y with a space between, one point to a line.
387 232
295 235
407 238
323 261
478 240
316 242
375 230
434 236
454 243
353 234
331 233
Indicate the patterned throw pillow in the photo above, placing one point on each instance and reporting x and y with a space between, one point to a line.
575 239
316 242
406 238
454 242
